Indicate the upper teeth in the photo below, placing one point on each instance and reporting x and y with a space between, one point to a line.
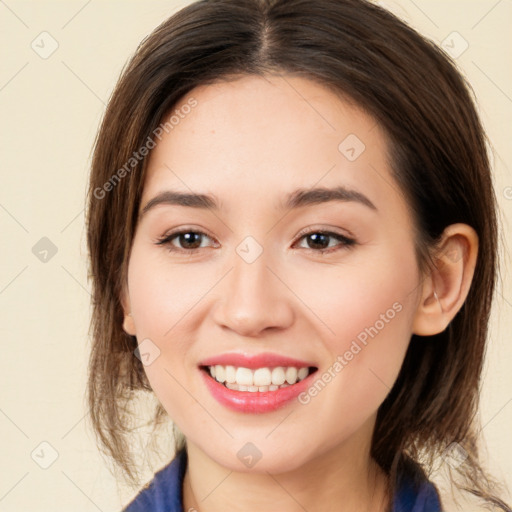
258 377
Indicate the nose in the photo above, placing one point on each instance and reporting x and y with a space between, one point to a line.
254 298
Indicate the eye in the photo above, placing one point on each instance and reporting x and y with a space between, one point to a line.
321 241
189 241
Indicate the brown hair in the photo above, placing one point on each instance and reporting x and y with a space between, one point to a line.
439 156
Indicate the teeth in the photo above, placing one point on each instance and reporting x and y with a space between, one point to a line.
278 376
230 374
302 373
261 379
291 375
253 389
220 373
244 377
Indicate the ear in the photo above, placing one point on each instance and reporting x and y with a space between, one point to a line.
447 282
128 323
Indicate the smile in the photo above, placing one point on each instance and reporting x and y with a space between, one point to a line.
255 384
259 380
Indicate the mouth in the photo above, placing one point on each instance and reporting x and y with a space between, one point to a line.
259 380
256 384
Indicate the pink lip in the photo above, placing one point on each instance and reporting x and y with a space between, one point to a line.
257 402
254 402
265 359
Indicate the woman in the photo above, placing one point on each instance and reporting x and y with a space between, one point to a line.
292 235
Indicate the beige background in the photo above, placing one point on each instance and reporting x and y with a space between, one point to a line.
50 109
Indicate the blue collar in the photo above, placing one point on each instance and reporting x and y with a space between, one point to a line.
415 493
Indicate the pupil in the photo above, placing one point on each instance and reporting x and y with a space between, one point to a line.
319 236
187 239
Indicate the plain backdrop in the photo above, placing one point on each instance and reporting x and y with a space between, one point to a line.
60 62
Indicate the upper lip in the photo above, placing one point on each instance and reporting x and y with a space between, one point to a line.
266 359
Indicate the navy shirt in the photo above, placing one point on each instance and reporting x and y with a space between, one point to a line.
164 492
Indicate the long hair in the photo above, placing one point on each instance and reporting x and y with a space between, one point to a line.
438 151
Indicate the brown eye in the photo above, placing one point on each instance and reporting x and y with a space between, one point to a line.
185 241
321 241
190 240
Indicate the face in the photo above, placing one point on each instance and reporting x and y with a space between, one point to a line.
311 294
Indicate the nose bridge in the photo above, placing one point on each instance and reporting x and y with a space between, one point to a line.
253 298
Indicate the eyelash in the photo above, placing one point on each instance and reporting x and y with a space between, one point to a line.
346 242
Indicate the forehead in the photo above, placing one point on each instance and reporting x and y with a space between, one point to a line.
261 137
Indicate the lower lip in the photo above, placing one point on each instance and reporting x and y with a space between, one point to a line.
254 402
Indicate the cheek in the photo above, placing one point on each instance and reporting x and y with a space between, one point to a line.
365 316
162 300
162 294
355 301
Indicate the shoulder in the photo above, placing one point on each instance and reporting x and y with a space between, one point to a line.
164 492
414 492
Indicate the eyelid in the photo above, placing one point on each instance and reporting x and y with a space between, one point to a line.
329 230
168 236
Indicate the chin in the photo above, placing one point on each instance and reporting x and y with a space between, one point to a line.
259 457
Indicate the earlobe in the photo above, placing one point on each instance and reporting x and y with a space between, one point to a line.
128 323
448 281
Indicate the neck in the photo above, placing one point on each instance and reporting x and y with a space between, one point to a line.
342 479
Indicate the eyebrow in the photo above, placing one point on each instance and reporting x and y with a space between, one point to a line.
296 199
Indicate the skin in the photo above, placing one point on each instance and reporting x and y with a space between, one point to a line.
250 142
